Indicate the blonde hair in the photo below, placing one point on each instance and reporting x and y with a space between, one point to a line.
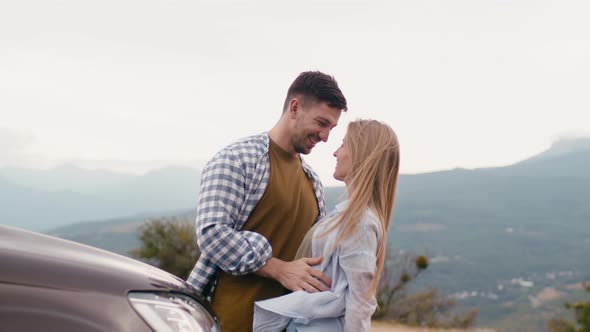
371 182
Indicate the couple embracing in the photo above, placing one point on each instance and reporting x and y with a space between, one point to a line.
272 259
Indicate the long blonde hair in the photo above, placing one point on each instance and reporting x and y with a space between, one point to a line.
371 182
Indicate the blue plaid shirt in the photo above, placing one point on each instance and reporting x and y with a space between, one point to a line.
232 183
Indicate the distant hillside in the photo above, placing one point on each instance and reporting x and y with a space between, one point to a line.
64 178
117 235
45 199
500 239
565 158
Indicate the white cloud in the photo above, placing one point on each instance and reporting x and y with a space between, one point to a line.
464 83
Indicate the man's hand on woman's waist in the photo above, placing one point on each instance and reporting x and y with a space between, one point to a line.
297 275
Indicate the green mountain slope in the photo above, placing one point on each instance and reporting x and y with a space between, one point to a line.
500 239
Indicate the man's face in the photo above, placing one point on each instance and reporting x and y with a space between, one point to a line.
313 123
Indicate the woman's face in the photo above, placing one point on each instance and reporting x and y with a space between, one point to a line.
343 162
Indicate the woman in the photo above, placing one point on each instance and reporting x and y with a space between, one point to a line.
352 240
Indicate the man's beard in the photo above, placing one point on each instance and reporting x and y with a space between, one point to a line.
301 150
300 144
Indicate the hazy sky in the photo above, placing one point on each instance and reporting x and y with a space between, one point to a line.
137 84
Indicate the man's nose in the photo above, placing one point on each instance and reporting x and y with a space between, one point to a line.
324 135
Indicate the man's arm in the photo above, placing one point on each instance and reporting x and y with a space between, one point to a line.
222 195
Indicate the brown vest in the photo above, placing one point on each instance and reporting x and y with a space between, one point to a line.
286 211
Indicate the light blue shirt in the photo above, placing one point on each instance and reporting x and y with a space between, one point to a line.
351 267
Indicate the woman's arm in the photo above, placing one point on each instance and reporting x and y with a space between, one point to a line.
358 259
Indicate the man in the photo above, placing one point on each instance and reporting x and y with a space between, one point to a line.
258 199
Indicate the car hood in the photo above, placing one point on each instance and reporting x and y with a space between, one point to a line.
40 260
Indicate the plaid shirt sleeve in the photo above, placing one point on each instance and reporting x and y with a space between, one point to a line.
223 191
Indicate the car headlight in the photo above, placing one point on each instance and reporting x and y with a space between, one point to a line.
172 312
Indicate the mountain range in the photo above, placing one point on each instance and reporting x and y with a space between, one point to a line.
46 199
500 239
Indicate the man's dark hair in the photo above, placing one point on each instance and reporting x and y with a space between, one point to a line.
313 87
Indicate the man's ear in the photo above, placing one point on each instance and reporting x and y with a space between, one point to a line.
294 107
